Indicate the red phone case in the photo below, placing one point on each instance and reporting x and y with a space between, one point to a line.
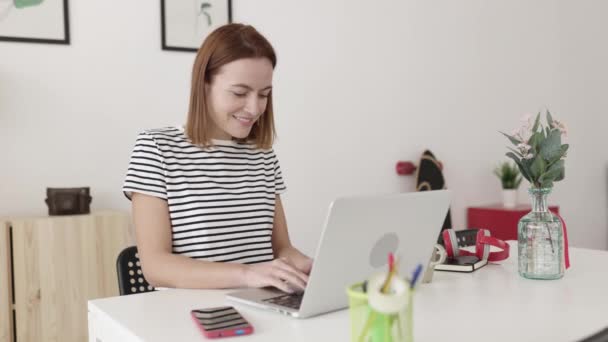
234 325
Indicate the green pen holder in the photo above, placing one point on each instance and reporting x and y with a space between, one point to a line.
369 324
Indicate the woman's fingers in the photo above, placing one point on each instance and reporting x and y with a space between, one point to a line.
287 266
279 284
280 274
307 266
290 278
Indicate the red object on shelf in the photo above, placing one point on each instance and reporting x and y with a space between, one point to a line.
500 221
405 168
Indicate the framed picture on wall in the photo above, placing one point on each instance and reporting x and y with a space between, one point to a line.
186 23
34 21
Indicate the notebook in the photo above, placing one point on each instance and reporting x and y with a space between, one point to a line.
464 263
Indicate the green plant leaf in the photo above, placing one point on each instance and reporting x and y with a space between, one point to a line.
514 157
536 122
520 165
512 139
535 141
517 153
562 174
550 148
526 166
538 168
552 172
557 165
546 184
508 173
558 156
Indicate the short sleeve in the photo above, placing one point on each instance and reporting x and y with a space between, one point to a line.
279 182
146 173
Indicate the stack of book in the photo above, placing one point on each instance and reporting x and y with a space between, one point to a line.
461 264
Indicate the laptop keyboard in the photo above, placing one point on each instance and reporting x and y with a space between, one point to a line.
292 301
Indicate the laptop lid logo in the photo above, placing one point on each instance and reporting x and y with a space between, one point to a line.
388 243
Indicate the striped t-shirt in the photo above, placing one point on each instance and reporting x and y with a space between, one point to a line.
221 198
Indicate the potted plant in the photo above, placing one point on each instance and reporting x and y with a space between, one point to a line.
510 179
540 157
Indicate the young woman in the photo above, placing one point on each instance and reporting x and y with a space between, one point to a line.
206 197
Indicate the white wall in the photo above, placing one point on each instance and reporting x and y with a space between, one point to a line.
359 86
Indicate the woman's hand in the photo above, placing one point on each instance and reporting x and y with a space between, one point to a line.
297 259
278 273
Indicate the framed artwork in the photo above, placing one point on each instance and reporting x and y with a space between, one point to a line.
186 23
34 21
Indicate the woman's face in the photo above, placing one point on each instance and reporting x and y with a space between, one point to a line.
238 95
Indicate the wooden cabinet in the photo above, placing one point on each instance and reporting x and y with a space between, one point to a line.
57 264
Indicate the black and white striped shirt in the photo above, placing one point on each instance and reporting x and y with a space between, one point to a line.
221 198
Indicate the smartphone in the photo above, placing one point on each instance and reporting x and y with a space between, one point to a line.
221 321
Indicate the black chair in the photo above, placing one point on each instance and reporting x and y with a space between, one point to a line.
130 276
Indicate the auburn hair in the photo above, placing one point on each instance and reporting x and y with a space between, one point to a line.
224 45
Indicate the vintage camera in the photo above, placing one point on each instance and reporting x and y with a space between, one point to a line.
68 201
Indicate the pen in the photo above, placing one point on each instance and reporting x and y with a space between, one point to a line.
383 289
415 275
391 273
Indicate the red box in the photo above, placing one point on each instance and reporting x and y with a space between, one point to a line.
500 221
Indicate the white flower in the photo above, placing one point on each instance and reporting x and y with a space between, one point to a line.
524 148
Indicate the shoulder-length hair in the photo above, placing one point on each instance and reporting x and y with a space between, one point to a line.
224 45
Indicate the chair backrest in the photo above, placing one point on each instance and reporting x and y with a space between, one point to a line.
130 276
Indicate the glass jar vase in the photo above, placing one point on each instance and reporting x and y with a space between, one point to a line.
540 240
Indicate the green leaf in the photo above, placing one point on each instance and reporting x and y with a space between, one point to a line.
546 184
517 153
509 175
553 172
520 165
550 148
535 141
512 139
513 156
526 166
536 122
549 119
538 168
557 165
562 174
558 156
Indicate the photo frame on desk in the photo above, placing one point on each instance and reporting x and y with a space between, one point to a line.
186 24
35 21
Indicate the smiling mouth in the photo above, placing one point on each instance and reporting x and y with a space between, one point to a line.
244 120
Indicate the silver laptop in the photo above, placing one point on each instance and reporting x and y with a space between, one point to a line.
359 233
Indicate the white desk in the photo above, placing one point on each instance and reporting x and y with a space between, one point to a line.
491 304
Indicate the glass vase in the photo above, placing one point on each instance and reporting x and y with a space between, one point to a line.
540 240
